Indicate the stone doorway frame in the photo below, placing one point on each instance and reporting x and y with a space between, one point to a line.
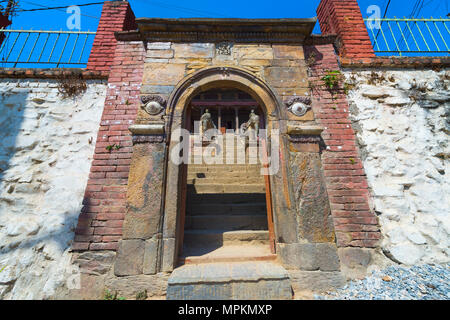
174 193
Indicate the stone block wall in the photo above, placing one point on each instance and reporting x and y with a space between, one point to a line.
282 66
46 148
402 122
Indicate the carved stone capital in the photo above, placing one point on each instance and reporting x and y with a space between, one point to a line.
147 129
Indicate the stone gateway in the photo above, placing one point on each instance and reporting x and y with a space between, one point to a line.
227 228
234 159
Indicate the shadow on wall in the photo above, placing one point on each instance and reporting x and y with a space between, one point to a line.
37 266
12 109
45 156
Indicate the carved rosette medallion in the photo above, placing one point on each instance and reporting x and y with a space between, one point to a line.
298 106
153 104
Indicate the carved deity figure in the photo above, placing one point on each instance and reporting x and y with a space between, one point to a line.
253 123
206 122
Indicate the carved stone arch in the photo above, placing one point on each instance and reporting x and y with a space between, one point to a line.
275 116
220 76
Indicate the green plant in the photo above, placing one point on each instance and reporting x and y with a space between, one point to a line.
113 146
110 147
2 268
110 296
142 295
331 79
352 160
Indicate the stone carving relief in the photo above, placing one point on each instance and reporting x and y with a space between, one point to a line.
153 104
298 106
224 48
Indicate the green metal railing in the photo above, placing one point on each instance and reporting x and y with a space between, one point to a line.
50 48
409 36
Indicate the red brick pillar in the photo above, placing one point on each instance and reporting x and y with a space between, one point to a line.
116 16
343 18
104 204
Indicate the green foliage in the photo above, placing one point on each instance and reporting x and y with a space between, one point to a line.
1 269
352 160
110 296
113 146
331 79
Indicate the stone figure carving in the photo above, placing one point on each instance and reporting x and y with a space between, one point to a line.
298 106
153 104
252 123
206 123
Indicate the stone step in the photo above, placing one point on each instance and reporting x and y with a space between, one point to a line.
220 188
223 208
226 222
224 179
212 254
245 161
226 281
223 199
225 237
231 176
237 168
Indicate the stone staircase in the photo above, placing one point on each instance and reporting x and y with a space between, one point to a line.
226 252
225 213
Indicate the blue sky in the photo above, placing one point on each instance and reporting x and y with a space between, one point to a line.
17 51
56 19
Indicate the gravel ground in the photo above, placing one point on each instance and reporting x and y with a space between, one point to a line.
421 282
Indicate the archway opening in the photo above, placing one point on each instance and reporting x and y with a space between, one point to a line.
226 216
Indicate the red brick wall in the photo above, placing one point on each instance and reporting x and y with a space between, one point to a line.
100 222
343 18
355 224
116 16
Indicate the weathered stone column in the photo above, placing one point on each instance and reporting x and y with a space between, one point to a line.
139 250
315 248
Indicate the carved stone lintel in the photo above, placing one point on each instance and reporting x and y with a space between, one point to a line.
153 104
298 106
304 130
